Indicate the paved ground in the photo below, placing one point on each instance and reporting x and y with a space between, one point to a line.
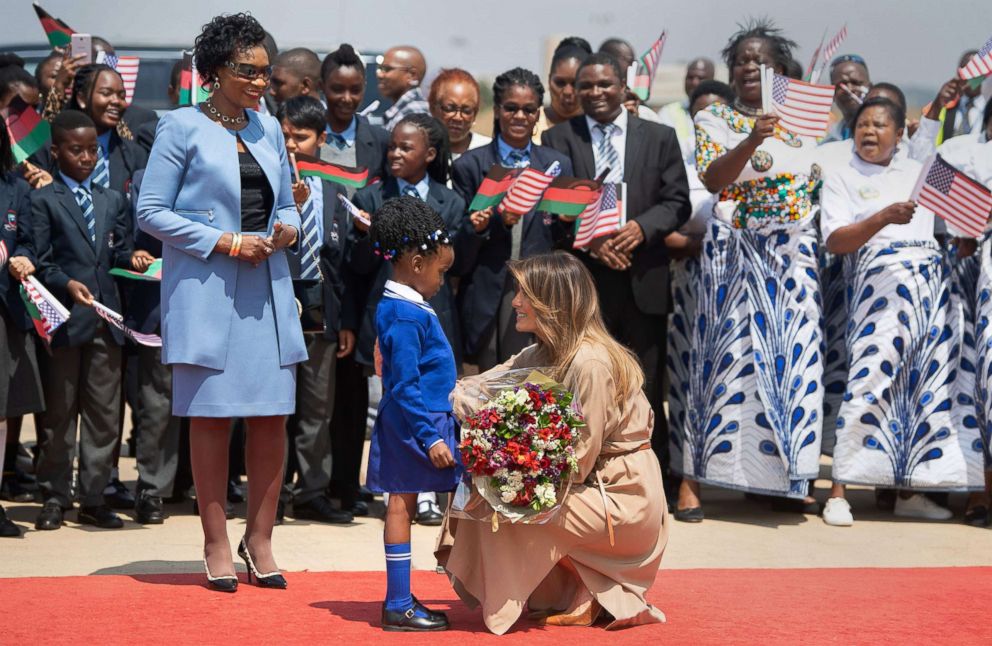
737 533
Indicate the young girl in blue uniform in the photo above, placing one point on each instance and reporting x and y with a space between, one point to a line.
414 441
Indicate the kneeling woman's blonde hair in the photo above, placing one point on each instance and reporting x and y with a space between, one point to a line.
566 305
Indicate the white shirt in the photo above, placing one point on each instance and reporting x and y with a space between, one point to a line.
859 190
619 137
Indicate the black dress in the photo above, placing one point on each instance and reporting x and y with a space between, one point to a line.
256 195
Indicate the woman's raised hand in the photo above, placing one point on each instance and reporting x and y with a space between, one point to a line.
480 219
764 127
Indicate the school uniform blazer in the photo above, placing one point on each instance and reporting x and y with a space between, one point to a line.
336 274
657 196
65 253
372 272
371 143
480 258
15 234
125 159
190 196
143 298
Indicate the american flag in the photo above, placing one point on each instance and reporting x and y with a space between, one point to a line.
115 319
603 217
834 45
961 201
355 212
980 64
803 108
641 85
47 313
528 188
3 254
127 67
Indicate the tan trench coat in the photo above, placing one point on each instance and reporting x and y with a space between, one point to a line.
520 564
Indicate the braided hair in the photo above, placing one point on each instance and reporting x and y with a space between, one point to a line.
762 29
405 224
506 80
436 136
84 84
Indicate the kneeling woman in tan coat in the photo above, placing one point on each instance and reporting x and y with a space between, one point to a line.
600 552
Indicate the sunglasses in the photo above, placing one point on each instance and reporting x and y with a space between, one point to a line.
250 72
848 58
464 110
511 109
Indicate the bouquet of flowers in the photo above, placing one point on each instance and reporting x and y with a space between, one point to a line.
518 449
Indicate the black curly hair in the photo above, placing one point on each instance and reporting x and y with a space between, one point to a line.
222 39
437 138
896 112
404 224
511 78
761 29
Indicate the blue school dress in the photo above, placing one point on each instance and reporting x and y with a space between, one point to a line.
418 374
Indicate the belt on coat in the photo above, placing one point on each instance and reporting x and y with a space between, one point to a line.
602 489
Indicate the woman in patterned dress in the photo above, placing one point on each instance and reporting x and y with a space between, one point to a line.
753 394
895 426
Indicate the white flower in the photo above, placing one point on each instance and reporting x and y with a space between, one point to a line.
545 495
507 496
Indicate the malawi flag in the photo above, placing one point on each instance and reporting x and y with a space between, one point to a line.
191 90
28 131
154 272
309 166
569 196
57 31
495 185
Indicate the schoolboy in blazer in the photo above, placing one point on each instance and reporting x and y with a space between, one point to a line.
81 231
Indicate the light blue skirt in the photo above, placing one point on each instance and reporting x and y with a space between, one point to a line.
253 383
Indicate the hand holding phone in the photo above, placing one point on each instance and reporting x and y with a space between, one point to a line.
81 45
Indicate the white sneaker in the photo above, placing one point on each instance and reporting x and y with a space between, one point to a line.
919 506
837 512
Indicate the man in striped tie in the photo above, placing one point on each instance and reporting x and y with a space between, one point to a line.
82 230
319 282
631 266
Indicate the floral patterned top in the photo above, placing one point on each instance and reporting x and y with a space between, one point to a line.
779 184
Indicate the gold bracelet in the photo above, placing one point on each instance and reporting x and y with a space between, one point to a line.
235 245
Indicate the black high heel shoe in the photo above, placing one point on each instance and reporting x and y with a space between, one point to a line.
227 583
269 580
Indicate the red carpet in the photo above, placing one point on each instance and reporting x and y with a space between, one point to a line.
814 606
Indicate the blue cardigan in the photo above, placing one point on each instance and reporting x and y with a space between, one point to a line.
418 367
190 196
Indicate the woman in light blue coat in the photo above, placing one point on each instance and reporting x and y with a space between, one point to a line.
217 193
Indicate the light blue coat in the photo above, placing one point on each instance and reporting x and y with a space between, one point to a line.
190 196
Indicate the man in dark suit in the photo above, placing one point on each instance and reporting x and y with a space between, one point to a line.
481 255
351 139
81 231
631 266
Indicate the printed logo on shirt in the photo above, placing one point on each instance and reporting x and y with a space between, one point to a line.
334 232
868 192
11 223
110 239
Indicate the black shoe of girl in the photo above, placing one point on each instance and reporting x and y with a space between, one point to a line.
7 528
412 620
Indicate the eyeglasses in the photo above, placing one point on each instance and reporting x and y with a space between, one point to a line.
465 110
386 69
510 109
250 72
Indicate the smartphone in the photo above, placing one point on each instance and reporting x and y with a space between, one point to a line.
81 44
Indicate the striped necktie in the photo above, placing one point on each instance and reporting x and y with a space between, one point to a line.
309 261
517 159
411 190
339 141
85 203
608 157
101 173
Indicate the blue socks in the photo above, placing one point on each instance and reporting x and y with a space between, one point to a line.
398 598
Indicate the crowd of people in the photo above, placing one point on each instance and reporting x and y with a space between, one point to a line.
769 298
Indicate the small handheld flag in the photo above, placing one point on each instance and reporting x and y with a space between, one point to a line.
493 187
191 90
154 272
3 254
832 46
354 210
28 131
803 108
309 166
59 34
815 59
47 313
649 63
964 203
527 189
569 196
115 319
127 67
980 64
601 217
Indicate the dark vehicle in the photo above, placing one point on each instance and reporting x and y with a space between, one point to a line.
156 65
